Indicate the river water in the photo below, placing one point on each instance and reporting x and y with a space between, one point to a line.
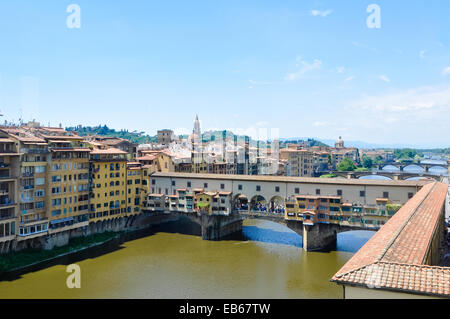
172 261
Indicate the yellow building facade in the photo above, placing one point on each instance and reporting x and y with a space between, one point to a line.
108 189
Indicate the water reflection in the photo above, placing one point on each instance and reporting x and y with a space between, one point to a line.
352 241
377 177
391 168
270 232
265 235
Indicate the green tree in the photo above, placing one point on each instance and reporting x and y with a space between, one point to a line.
367 162
346 165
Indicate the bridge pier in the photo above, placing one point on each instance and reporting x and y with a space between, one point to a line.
215 227
319 236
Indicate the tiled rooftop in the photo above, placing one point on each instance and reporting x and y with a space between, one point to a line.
395 256
419 279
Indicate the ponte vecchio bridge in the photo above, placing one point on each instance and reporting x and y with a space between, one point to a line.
316 208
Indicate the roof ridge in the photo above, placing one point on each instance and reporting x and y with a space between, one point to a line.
389 263
397 233
354 270
412 265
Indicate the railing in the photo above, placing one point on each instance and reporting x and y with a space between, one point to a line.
4 217
8 203
27 174
260 214
27 211
34 151
29 221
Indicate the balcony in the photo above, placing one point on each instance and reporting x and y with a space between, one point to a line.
5 176
27 174
26 199
4 165
6 202
27 187
33 221
34 151
27 211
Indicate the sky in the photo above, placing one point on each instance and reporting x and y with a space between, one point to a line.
293 68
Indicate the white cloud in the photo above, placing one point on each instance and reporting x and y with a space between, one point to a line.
417 104
318 13
446 71
350 78
319 124
304 67
417 116
253 82
363 46
340 69
384 78
422 54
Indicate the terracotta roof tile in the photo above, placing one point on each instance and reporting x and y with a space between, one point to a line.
395 256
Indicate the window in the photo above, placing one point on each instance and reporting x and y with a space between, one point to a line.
222 186
39 193
39 205
205 185
258 188
40 169
56 212
277 189
56 179
153 182
188 184
410 195
173 183
240 187
339 192
362 193
385 194
317 191
297 190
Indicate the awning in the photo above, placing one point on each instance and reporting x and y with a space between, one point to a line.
68 219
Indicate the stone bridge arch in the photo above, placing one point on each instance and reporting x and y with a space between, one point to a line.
440 167
258 203
240 202
296 226
387 167
407 168
361 176
277 205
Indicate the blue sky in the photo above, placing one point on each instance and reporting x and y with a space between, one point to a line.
306 68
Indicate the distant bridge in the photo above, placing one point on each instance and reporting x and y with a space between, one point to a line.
425 166
396 176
